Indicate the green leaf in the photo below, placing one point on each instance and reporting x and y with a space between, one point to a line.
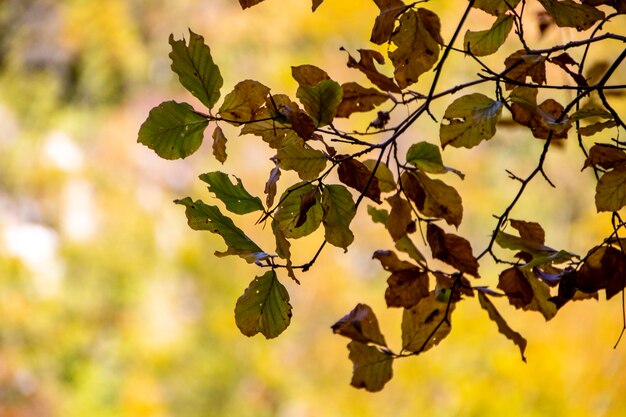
235 197
486 42
571 14
264 307
320 101
496 7
300 157
469 120
173 130
386 181
339 210
201 216
195 68
611 190
417 40
219 144
372 367
244 103
426 157
426 324
503 326
289 212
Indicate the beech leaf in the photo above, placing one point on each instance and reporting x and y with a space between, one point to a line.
201 216
523 65
426 324
289 212
605 156
611 190
360 325
496 7
426 157
503 326
339 210
469 120
386 20
486 42
367 65
219 144
264 307
308 75
249 3
300 157
372 367
173 130
195 68
320 101
355 174
451 249
439 199
568 13
244 103
270 186
357 98
417 48
235 197
400 217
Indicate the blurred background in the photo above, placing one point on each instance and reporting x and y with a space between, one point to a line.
111 306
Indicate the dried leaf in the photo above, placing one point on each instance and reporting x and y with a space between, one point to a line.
440 200
244 103
270 186
371 366
355 174
523 65
386 181
516 287
386 20
417 49
568 13
264 307
530 231
359 99
611 190
308 75
496 7
219 144
605 156
426 324
486 42
451 249
503 326
249 3
400 217
367 66
360 325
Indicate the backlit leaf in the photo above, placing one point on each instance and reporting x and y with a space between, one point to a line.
426 157
357 98
235 197
372 367
523 65
611 190
469 120
316 4
339 210
270 186
417 49
516 287
219 144
604 268
440 200
195 68
451 249
541 119
404 244
503 326
486 42
355 174
386 181
264 307
531 231
360 325
288 212
320 101
400 217
173 130
248 3
496 7
407 283
308 75
300 157
244 103
204 217
426 324
385 21
541 296
605 156
568 13
367 65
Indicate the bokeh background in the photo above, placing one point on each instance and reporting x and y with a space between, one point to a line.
111 306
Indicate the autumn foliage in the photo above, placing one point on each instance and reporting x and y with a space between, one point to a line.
407 193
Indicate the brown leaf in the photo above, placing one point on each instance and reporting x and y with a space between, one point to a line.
406 288
390 262
417 50
503 326
270 186
244 103
516 287
400 217
355 174
219 145
359 99
248 3
426 324
300 122
316 4
368 67
562 61
524 65
441 200
604 269
360 325
413 189
605 156
308 75
307 201
451 249
540 119
530 231
386 20
611 190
